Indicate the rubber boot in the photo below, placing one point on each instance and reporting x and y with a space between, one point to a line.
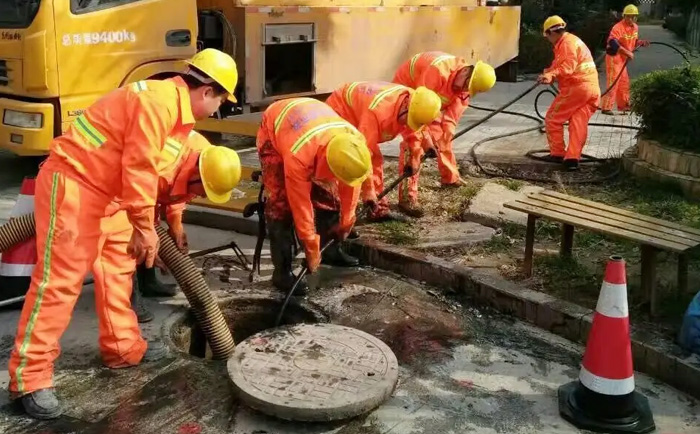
281 245
42 404
334 254
608 112
155 351
142 313
571 165
151 286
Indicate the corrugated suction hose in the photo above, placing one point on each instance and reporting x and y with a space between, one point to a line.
16 230
206 310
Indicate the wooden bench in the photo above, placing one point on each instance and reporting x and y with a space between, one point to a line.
653 234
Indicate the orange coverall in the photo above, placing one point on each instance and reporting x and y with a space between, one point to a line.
373 107
100 178
292 143
627 36
578 98
436 71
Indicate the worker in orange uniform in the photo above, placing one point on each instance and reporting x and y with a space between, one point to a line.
573 67
313 164
382 111
198 165
455 81
622 42
95 197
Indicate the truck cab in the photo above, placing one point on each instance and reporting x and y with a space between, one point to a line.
59 56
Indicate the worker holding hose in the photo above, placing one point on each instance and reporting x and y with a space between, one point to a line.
382 111
622 42
178 183
455 81
95 198
313 164
573 67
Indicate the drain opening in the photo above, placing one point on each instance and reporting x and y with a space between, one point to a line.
245 317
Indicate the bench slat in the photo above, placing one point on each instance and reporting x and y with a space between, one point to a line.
564 218
659 231
610 225
622 212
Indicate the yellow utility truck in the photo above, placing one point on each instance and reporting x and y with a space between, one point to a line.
58 56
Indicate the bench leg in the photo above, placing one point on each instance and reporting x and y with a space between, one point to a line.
567 240
649 276
682 274
529 245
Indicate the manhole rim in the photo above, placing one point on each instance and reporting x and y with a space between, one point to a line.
180 314
315 414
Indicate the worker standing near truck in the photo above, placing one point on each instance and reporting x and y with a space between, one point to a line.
95 198
381 111
198 166
579 95
313 164
622 42
455 81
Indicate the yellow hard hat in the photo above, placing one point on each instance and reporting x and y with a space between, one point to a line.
553 21
219 67
220 170
423 108
483 78
349 159
630 10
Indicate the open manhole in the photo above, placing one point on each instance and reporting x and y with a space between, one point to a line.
245 317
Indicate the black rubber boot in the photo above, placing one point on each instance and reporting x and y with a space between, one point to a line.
571 165
608 112
334 254
142 313
151 286
281 245
155 351
41 404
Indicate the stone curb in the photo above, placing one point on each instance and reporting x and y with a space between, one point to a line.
560 317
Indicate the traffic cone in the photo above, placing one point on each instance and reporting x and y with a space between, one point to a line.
604 398
17 263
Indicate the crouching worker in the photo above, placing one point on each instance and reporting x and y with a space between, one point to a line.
95 198
199 170
382 111
573 67
313 164
455 81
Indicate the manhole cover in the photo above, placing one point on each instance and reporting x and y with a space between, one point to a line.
313 372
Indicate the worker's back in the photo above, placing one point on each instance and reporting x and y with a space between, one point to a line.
433 69
584 69
119 142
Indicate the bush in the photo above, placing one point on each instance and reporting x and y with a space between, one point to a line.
668 103
678 24
536 53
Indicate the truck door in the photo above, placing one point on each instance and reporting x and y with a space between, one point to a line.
100 41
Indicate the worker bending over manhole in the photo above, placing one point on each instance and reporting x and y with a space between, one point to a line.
455 81
382 111
201 169
313 164
95 199
579 95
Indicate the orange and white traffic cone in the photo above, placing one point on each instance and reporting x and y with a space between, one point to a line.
17 263
604 398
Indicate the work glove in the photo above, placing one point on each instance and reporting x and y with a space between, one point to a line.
370 204
144 243
545 79
408 171
177 232
312 251
643 43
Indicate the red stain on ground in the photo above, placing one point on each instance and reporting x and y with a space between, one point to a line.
190 428
465 383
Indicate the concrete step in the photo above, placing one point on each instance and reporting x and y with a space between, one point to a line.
640 168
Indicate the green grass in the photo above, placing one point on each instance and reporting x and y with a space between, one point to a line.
398 233
457 201
511 184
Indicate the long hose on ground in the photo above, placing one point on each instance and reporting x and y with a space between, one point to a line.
206 310
540 125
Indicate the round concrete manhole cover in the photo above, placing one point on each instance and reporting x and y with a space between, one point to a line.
313 372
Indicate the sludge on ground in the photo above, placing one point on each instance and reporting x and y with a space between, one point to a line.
462 370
